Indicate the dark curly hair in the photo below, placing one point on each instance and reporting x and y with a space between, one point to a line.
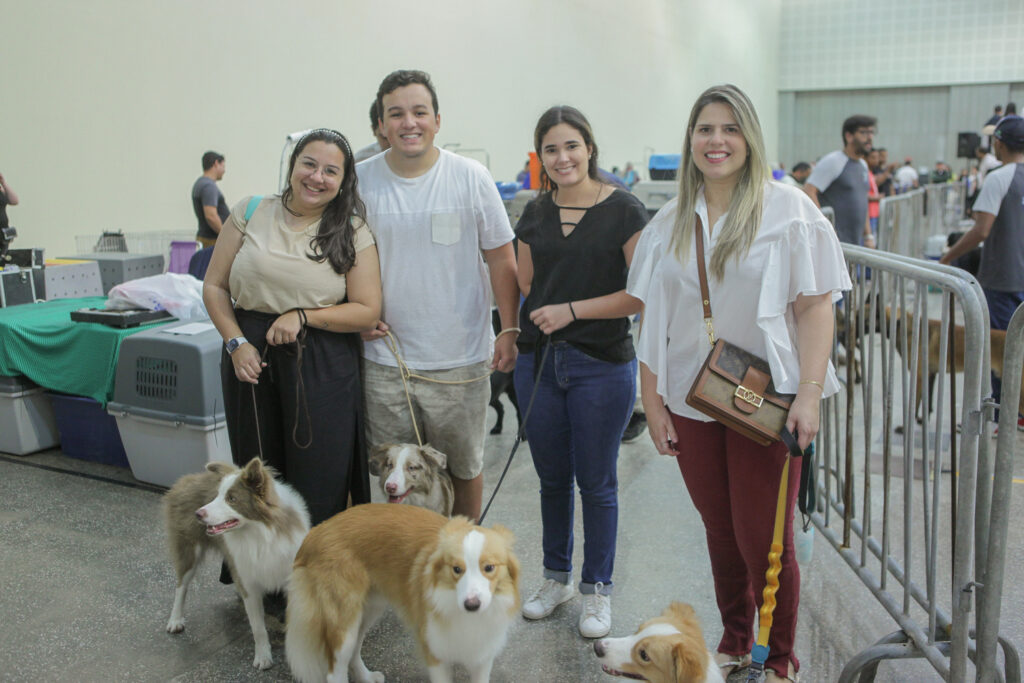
335 239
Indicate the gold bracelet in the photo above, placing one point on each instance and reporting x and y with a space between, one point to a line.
811 381
507 329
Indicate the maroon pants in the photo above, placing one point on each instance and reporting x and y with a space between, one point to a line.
734 484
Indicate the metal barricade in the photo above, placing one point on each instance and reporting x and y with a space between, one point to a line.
893 536
901 223
992 550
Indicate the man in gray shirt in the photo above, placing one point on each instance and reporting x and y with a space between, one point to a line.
999 222
207 201
840 180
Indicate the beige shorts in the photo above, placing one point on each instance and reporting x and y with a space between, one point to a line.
451 417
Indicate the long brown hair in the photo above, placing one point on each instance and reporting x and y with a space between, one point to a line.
335 238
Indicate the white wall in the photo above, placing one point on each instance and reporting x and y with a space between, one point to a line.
848 44
109 104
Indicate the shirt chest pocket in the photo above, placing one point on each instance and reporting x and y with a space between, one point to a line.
445 228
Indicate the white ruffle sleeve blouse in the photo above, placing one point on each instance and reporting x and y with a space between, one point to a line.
796 251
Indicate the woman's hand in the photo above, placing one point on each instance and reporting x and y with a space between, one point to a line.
661 429
803 418
378 332
248 365
552 318
285 329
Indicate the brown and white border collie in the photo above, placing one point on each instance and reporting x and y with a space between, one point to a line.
414 475
255 522
454 583
666 649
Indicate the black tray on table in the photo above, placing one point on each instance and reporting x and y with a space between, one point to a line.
122 319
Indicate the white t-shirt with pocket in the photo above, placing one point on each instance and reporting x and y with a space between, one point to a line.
430 231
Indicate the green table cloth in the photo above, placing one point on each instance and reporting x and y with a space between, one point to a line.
41 342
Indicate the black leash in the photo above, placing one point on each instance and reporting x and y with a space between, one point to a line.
300 391
538 371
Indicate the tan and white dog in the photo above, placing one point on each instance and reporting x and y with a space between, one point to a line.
454 583
414 475
255 522
666 649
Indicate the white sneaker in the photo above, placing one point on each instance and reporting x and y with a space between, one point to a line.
596 618
546 598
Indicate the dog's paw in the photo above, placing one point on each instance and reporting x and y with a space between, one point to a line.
263 660
175 625
370 677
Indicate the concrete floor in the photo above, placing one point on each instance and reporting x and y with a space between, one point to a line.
87 587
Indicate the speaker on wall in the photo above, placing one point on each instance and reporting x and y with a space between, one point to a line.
966 143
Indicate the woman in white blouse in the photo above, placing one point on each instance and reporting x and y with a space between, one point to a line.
775 267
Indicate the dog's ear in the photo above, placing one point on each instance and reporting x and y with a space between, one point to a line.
504 532
680 611
689 661
433 455
255 476
220 468
378 456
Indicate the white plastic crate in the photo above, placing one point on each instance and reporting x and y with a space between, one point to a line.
27 424
160 451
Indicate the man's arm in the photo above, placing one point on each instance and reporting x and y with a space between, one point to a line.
976 235
812 192
501 262
212 219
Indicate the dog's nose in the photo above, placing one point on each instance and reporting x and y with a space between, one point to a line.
472 604
390 488
201 513
599 648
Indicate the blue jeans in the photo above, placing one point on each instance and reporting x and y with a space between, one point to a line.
574 430
1001 306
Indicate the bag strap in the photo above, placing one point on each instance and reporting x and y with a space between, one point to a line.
250 208
702 274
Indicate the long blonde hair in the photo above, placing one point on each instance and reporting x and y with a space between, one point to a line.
744 219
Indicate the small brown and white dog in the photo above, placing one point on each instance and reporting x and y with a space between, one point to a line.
454 583
666 649
255 522
415 475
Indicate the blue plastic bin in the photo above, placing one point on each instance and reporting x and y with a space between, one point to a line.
87 432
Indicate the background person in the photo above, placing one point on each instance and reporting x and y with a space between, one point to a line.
207 200
575 244
380 142
798 175
437 218
999 222
840 180
775 268
304 274
7 198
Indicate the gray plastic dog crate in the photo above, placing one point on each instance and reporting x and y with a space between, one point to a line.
27 424
73 280
118 267
168 401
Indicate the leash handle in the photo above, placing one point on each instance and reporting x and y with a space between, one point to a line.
759 654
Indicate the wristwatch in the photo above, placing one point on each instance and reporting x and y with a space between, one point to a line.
233 344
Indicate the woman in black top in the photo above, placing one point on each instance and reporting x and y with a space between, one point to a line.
575 244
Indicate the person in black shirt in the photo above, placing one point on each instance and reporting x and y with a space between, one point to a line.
576 240
7 198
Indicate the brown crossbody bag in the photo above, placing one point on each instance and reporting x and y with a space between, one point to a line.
734 386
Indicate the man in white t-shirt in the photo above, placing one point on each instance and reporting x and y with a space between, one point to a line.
442 234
